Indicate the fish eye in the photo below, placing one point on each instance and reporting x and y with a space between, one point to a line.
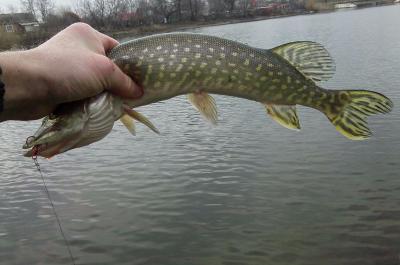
52 116
45 119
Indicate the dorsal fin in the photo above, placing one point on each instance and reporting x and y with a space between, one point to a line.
310 58
284 115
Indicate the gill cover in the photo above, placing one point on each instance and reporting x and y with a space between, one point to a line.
74 125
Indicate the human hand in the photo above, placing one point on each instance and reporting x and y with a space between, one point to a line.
70 66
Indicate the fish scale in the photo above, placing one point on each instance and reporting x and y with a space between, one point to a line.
168 65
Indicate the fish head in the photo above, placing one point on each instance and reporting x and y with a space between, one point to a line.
59 131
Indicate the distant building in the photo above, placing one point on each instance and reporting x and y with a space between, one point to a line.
18 22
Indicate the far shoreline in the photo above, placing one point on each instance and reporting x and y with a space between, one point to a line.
165 28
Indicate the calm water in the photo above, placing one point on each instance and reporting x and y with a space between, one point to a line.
245 192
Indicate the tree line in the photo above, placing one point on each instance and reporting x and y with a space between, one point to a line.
116 14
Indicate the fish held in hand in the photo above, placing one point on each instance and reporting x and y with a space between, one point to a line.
168 65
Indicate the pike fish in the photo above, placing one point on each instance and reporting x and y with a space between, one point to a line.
168 65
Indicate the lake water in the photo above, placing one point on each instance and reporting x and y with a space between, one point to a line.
245 192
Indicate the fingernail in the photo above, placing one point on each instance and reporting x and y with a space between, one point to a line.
137 90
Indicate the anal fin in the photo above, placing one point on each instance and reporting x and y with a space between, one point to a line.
205 104
284 115
139 117
129 124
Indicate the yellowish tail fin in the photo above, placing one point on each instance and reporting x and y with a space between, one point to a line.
349 112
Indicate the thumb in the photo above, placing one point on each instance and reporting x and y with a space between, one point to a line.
122 85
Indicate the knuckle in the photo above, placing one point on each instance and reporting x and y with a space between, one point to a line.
81 27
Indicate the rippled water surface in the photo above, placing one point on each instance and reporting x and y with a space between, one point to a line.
245 192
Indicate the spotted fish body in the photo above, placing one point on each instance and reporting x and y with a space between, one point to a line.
169 65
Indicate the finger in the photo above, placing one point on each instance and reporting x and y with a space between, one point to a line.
122 85
108 42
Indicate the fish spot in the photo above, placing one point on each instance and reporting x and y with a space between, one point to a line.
184 60
234 54
193 63
175 50
252 55
180 66
236 71
151 55
170 63
175 45
197 46
162 67
208 56
280 73
161 59
203 65
187 49
246 62
270 65
172 56
222 55
218 62
231 64
159 47
222 48
197 55
145 50
211 49
242 87
224 71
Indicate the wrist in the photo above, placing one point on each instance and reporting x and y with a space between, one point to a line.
25 83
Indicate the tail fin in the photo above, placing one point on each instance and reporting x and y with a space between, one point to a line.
349 111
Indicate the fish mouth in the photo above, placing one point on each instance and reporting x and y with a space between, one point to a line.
48 150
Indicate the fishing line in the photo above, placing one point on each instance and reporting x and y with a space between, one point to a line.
35 160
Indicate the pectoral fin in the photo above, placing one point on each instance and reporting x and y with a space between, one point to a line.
139 117
205 104
129 123
284 115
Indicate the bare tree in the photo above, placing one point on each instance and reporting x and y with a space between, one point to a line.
230 4
28 6
45 7
164 9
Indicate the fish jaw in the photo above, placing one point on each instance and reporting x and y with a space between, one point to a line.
77 124
57 135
